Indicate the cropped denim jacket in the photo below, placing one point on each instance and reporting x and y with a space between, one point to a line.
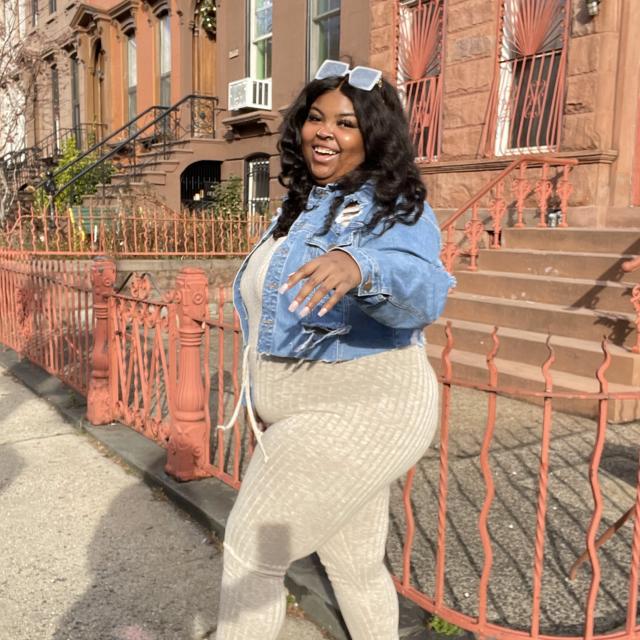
403 286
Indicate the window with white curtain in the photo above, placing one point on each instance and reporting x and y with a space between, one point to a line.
132 77
164 41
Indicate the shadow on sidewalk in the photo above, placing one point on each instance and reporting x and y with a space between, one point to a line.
11 465
150 579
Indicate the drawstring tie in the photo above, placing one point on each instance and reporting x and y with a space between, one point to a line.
245 391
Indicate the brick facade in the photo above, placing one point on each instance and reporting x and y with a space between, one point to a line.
599 113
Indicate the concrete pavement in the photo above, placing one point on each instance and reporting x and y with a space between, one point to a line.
88 551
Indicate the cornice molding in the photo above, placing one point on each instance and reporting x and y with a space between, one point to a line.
586 156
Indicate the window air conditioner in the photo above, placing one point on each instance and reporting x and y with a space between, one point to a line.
250 93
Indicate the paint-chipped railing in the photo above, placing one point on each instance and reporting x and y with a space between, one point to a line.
46 314
149 231
478 223
629 266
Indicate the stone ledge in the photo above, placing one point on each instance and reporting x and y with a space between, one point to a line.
498 164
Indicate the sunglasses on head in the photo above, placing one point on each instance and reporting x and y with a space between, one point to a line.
364 78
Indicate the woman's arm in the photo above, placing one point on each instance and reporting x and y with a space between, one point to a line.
396 277
404 283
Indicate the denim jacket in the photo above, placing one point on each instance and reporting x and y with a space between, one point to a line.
403 287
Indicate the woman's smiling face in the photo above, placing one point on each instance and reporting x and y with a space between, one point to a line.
332 143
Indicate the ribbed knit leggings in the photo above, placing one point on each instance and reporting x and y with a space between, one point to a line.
339 434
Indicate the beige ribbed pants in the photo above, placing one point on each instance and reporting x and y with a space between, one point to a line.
340 434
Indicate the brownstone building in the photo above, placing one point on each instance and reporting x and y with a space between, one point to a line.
191 92
484 81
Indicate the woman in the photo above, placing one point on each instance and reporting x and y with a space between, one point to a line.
333 302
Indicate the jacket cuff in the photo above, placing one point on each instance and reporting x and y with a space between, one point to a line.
370 279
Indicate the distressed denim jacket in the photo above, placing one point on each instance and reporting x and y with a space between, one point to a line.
403 287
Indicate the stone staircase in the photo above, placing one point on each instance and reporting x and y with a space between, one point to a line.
566 283
157 171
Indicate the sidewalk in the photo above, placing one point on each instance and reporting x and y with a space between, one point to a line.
89 551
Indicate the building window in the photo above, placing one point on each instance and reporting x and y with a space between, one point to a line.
132 78
419 73
324 32
52 6
260 15
256 184
34 13
164 41
528 90
55 106
75 100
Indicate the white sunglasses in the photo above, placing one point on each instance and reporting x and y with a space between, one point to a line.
364 78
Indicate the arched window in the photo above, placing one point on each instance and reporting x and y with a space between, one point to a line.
419 71
528 87
256 184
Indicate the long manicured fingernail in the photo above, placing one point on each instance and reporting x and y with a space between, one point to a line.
283 288
293 306
322 312
304 312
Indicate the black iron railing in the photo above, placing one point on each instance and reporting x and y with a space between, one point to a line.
143 140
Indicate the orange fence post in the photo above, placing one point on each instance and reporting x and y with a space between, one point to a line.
103 277
188 445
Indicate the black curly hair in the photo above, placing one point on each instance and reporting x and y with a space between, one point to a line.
389 157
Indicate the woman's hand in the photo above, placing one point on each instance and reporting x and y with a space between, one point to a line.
334 271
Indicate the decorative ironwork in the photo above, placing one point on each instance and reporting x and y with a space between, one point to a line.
525 108
140 286
137 231
419 69
518 172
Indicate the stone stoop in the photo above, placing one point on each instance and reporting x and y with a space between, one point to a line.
155 171
563 283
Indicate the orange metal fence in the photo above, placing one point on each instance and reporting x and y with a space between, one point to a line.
46 314
633 265
485 530
150 231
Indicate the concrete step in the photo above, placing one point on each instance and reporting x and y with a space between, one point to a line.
620 241
585 324
558 264
573 292
572 355
623 217
472 368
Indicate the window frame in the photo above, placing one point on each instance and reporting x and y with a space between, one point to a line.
52 6
74 73
131 90
251 201
313 26
55 106
34 13
253 42
164 75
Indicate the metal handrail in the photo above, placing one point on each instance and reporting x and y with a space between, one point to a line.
49 183
501 176
102 142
